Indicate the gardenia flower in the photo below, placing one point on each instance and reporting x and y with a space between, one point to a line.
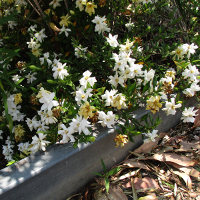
24 147
12 24
7 149
109 97
55 3
154 104
19 132
46 98
119 101
39 143
80 52
80 125
46 57
86 110
190 49
16 77
115 80
65 20
188 115
40 36
190 72
170 107
47 117
100 26
126 47
90 6
151 136
190 92
65 30
82 95
31 77
60 71
87 79
112 40
106 119
80 4
66 134
148 76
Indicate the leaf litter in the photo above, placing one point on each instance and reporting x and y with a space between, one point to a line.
166 169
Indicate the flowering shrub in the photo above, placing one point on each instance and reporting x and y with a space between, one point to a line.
69 65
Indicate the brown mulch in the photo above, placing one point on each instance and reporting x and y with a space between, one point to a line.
167 169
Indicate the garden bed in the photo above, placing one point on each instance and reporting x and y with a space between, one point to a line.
62 170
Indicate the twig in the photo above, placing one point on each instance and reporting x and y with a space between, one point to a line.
34 7
133 190
39 8
66 5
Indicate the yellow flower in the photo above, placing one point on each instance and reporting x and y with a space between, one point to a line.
65 20
154 104
18 98
90 6
119 102
86 110
121 140
19 132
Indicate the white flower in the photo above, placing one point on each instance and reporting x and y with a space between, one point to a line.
82 95
39 143
24 147
12 24
190 49
170 107
148 76
188 115
80 4
87 79
100 26
190 92
47 117
106 119
16 77
129 25
31 77
191 72
115 80
46 57
109 97
32 28
80 52
33 44
7 150
66 133
80 125
112 40
151 136
55 3
60 71
46 98
127 47
65 30
40 35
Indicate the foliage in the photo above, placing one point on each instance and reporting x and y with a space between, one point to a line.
67 65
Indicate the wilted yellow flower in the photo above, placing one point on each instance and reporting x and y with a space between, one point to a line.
90 6
86 110
102 3
19 132
121 140
36 52
65 20
119 102
18 98
154 104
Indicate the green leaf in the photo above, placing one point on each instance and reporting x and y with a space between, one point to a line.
103 165
107 184
11 162
33 67
113 171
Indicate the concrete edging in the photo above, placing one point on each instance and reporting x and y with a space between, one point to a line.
63 170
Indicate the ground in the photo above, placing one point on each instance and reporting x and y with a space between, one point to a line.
166 169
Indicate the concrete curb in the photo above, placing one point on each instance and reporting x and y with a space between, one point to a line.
63 170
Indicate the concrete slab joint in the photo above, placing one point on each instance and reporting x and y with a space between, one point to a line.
62 170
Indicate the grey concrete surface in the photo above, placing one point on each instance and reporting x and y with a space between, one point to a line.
63 170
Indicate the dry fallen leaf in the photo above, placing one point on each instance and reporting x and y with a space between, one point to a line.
149 197
189 146
188 170
197 119
175 158
149 146
143 184
135 164
115 193
186 178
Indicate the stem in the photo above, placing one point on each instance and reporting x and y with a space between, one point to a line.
34 7
66 5
39 8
